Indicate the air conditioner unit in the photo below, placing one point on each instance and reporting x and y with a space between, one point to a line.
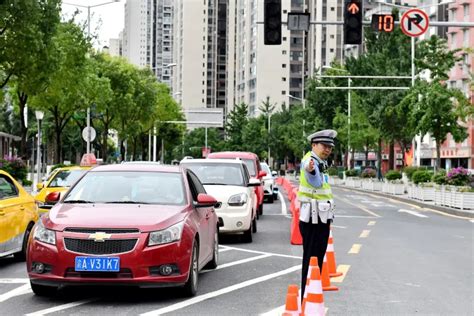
399 156
398 162
384 156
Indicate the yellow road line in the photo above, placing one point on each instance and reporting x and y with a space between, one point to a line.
361 207
355 248
341 268
364 234
371 223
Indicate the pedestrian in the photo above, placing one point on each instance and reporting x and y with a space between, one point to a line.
316 200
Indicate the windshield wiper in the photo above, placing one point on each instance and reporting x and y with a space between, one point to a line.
126 202
77 201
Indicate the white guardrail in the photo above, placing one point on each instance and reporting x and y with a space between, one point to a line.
442 195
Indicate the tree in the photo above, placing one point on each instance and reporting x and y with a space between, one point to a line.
26 31
237 120
438 110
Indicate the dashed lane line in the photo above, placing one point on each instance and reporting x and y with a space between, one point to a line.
371 223
344 268
355 249
222 266
284 210
60 307
223 291
360 207
365 233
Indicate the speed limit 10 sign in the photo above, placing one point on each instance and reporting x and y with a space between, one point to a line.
383 22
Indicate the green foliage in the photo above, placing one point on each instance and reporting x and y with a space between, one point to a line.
440 177
421 176
237 120
15 167
332 171
352 173
393 175
409 171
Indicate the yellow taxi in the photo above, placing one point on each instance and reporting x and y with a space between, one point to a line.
18 214
59 181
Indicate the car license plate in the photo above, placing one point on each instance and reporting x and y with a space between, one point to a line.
102 264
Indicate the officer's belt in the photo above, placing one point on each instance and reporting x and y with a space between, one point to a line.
314 191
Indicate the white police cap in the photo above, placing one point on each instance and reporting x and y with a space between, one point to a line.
325 136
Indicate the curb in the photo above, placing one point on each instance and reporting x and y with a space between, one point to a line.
443 209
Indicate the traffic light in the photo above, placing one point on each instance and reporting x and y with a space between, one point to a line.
272 22
353 22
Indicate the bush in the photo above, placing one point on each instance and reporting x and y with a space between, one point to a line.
393 175
368 173
332 171
409 171
421 176
440 177
15 167
458 176
351 173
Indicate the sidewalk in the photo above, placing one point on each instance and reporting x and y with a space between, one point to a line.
404 198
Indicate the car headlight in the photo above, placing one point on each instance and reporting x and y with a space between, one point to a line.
43 234
165 236
238 199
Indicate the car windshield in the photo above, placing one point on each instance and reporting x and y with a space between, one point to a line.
66 178
266 168
217 173
129 187
250 166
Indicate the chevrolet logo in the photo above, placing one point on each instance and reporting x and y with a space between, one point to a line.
99 236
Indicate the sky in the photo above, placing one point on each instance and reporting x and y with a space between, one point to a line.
107 20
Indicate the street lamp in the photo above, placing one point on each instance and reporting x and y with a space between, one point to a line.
39 117
88 147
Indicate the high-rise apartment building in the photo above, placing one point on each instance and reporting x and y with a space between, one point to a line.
148 36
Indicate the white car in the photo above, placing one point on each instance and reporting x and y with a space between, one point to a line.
229 182
269 187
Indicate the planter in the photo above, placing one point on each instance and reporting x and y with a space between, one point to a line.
372 185
422 193
393 188
450 197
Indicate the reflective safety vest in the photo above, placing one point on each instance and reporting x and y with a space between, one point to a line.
306 191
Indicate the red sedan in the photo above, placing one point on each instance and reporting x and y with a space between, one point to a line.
142 225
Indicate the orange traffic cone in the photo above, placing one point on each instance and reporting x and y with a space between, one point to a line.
313 303
325 278
331 254
291 305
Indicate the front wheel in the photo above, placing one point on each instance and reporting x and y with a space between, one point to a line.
21 256
190 288
260 209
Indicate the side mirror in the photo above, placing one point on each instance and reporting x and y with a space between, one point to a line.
205 200
39 186
274 173
52 198
254 182
262 174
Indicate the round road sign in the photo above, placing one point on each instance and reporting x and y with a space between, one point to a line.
414 22
85 134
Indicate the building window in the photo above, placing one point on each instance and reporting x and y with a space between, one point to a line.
331 50
283 52
283 65
465 37
453 40
284 38
332 8
283 92
466 11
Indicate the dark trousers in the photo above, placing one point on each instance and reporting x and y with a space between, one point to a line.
315 242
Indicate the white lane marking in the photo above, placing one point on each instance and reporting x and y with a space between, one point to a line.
237 262
355 248
359 206
21 290
284 210
266 253
472 220
415 213
60 308
365 233
338 226
13 280
275 312
371 223
221 249
354 216
223 291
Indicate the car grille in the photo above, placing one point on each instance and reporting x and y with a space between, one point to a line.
122 274
104 230
111 246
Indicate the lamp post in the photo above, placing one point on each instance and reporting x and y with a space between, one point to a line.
88 120
303 104
39 117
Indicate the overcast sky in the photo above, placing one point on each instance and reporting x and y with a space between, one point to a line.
106 20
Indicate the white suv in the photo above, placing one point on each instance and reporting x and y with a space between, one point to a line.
270 190
229 182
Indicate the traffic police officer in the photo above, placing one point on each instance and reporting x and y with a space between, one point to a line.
315 196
